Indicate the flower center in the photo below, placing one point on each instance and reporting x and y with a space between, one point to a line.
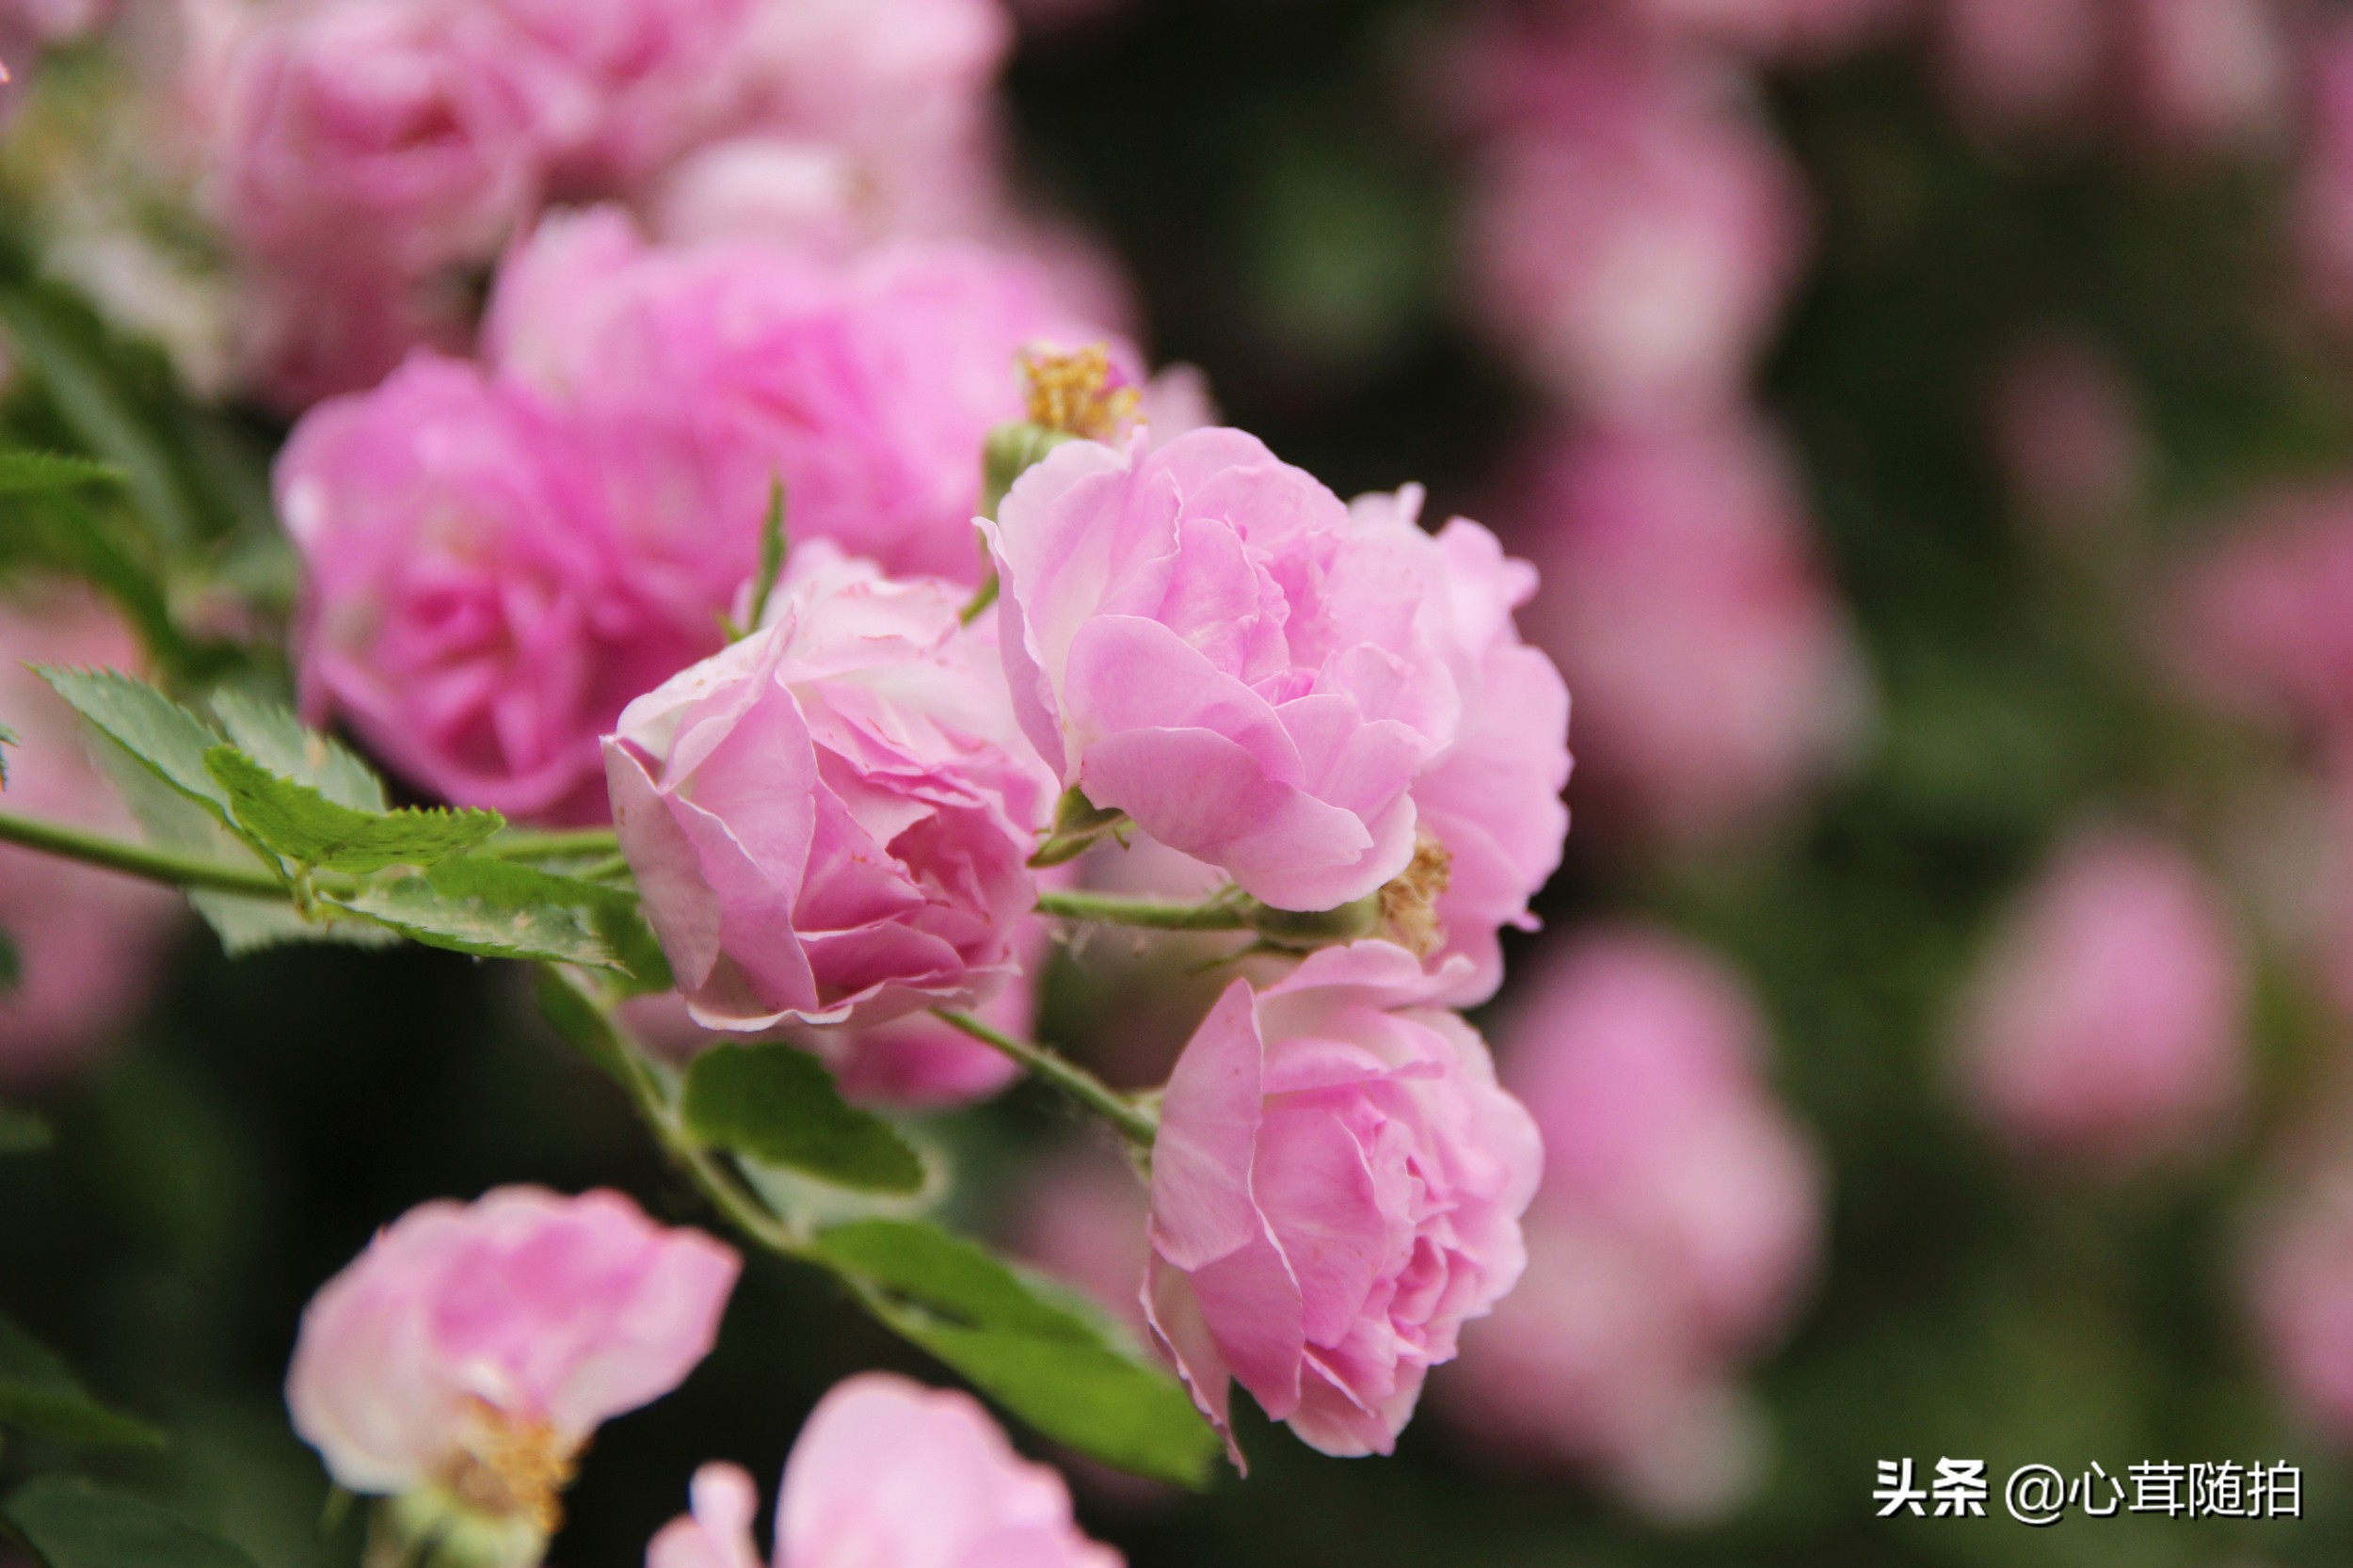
512 1468
1409 901
1077 392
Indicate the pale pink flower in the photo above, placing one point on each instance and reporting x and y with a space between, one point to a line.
2262 622
890 1474
2067 429
1631 232
2207 76
2104 1022
1715 676
708 372
471 609
464 1359
1679 1219
88 941
1491 802
1204 637
1337 1189
2023 64
830 820
2301 1285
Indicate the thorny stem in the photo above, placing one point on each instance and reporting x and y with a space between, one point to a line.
1133 1123
120 854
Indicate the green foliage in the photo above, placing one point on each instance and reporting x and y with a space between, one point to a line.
779 1105
22 1132
1059 1370
164 737
39 1395
304 825
497 909
271 734
74 1523
27 472
772 546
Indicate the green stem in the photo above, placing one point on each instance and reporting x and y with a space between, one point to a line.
119 855
1138 1125
553 846
1221 913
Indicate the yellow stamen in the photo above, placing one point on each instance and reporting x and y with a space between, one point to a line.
1409 902
510 1468
1071 391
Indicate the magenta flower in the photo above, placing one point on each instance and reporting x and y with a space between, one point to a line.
1337 1189
1679 1217
470 608
831 820
707 373
888 1474
2262 623
1715 677
1202 637
88 941
463 1360
2105 1021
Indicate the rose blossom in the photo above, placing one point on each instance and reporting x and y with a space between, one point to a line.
1336 1188
1204 637
1804 28
888 1474
462 1361
708 373
470 607
1714 674
1490 803
2104 1022
2263 621
831 819
1680 1215
87 940
1631 229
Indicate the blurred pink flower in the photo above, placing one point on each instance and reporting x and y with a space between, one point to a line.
88 941
2323 212
2261 623
1679 1219
464 1359
2207 76
706 372
1806 29
2023 64
1715 680
470 607
2066 430
1632 228
1337 1189
2104 1022
2301 1282
890 1474
1082 1216
830 820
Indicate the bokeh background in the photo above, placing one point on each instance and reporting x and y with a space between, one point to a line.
1934 425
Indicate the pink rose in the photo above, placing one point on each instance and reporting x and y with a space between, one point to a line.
87 941
470 608
1632 230
464 1359
1336 1188
888 1474
706 372
2301 1285
1715 677
2105 1021
2207 76
2067 431
1203 637
831 819
1492 801
1679 1217
1804 28
2262 622
2023 64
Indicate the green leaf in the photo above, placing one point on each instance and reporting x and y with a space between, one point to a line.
1058 1369
301 824
776 1104
270 734
76 1523
39 1395
166 739
566 1005
23 471
498 909
771 553
22 1132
